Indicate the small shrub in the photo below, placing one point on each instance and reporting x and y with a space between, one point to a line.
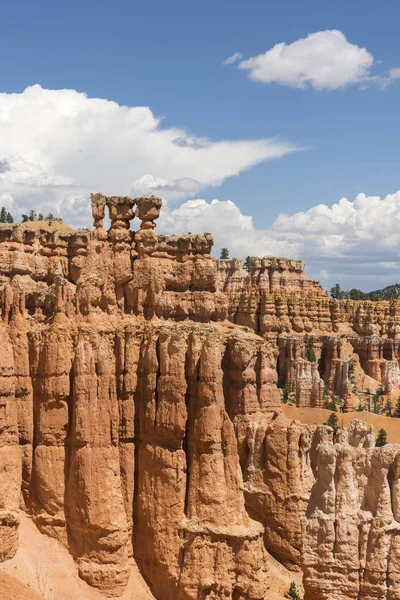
285 394
293 593
281 378
397 409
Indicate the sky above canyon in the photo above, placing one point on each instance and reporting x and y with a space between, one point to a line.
272 125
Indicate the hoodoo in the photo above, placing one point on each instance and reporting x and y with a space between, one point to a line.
141 414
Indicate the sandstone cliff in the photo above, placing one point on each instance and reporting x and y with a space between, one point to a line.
141 418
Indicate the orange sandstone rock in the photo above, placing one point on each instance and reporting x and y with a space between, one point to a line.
140 417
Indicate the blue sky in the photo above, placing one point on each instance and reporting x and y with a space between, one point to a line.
169 56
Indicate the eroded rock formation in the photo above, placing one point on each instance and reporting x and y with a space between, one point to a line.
140 416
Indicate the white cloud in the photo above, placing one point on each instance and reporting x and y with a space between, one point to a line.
234 58
351 241
184 187
394 73
58 145
324 60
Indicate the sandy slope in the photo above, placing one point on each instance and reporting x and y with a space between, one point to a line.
47 225
281 579
317 416
12 589
43 569
46 566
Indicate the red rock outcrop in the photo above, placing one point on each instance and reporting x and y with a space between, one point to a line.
301 376
117 422
350 533
380 359
140 417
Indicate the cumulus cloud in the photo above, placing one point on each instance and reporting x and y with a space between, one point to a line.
355 242
394 73
234 58
324 60
189 142
184 187
4 166
58 145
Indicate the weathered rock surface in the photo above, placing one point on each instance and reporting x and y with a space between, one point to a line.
350 532
140 418
117 432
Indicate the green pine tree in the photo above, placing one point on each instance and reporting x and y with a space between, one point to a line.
293 593
333 422
337 292
25 218
397 409
377 401
281 378
246 264
32 215
331 402
381 439
224 253
310 354
40 217
368 394
389 407
285 394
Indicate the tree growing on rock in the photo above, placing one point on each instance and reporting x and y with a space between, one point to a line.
246 263
5 216
310 354
377 400
381 439
333 422
224 253
285 394
389 407
337 292
293 593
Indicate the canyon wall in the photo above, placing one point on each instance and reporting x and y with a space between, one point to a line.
140 415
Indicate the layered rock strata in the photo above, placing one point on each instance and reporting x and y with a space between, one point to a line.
117 423
300 375
140 417
274 296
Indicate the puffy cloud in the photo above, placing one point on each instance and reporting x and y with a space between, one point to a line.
188 142
184 187
394 73
234 58
324 60
4 166
355 242
58 145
